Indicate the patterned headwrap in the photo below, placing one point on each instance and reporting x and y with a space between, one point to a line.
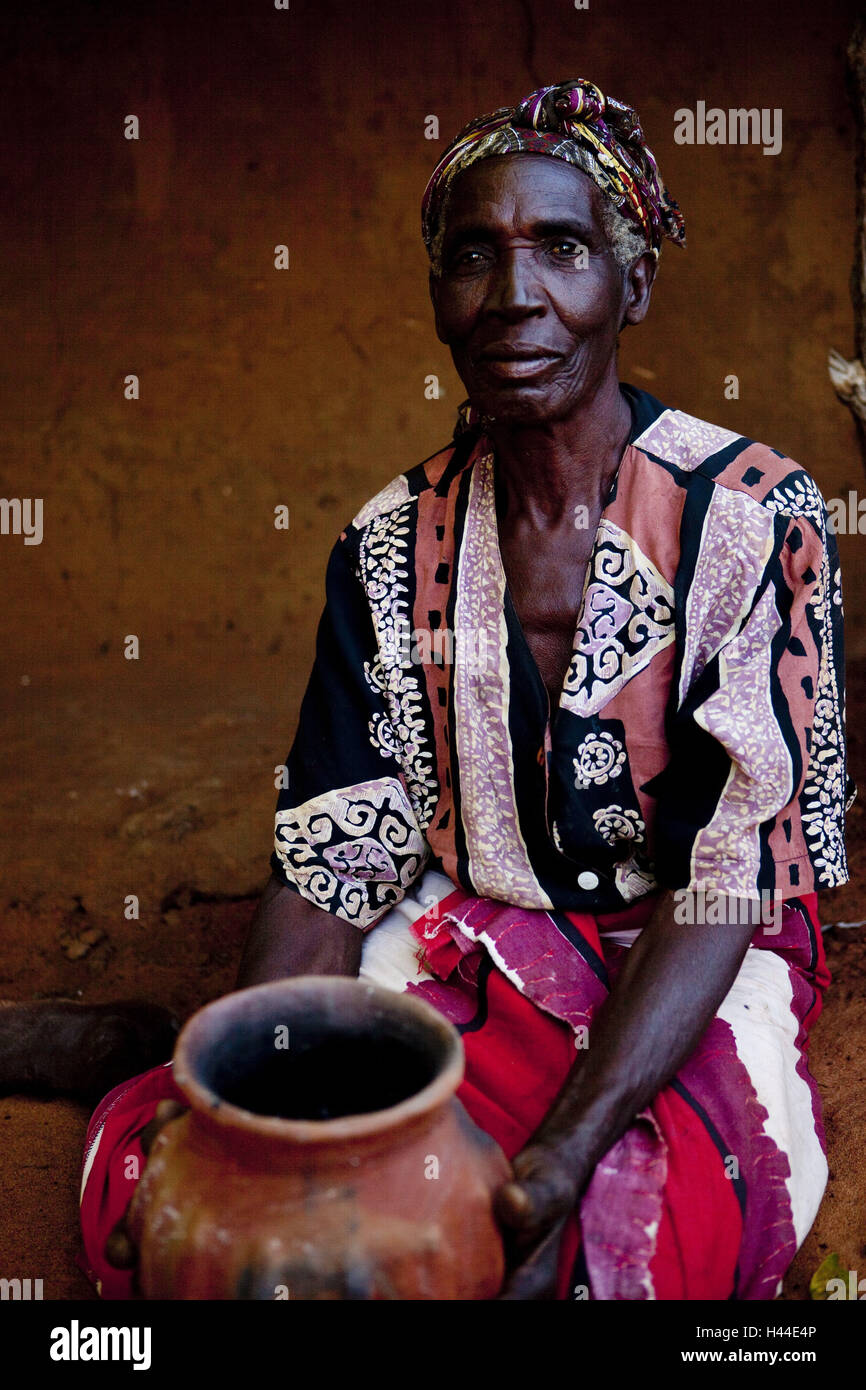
576 122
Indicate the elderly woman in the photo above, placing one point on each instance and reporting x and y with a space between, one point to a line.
571 761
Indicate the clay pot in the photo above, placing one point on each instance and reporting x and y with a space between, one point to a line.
324 1155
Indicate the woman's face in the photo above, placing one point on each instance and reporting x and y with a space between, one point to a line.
530 299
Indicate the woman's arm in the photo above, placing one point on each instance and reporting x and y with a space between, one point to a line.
291 936
673 981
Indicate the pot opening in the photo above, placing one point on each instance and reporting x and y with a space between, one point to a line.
319 1071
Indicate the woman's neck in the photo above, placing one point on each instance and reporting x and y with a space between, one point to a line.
544 471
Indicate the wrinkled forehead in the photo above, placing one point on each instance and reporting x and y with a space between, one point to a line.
513 191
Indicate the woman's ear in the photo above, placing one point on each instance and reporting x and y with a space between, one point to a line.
639 280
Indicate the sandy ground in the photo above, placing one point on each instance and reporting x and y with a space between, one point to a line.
188 834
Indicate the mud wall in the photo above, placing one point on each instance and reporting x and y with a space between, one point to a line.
304 387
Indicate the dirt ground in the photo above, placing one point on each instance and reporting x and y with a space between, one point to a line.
189 836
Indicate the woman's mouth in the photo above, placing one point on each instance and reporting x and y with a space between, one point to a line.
517 361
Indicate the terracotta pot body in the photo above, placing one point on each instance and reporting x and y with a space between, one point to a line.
269 1188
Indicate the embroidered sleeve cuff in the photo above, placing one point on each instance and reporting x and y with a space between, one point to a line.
354 851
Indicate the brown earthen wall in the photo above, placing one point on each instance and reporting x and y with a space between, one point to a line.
306 387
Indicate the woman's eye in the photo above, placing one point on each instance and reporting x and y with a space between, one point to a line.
466 260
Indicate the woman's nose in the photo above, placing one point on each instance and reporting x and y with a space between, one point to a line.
516 286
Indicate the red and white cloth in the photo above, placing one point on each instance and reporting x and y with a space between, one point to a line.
706 1196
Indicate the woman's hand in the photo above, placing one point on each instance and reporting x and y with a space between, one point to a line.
668 990
532 1209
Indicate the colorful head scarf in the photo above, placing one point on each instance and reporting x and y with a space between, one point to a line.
576 122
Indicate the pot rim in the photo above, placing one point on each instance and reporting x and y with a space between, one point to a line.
207 1102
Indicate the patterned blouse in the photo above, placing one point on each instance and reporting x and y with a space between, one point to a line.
698 741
